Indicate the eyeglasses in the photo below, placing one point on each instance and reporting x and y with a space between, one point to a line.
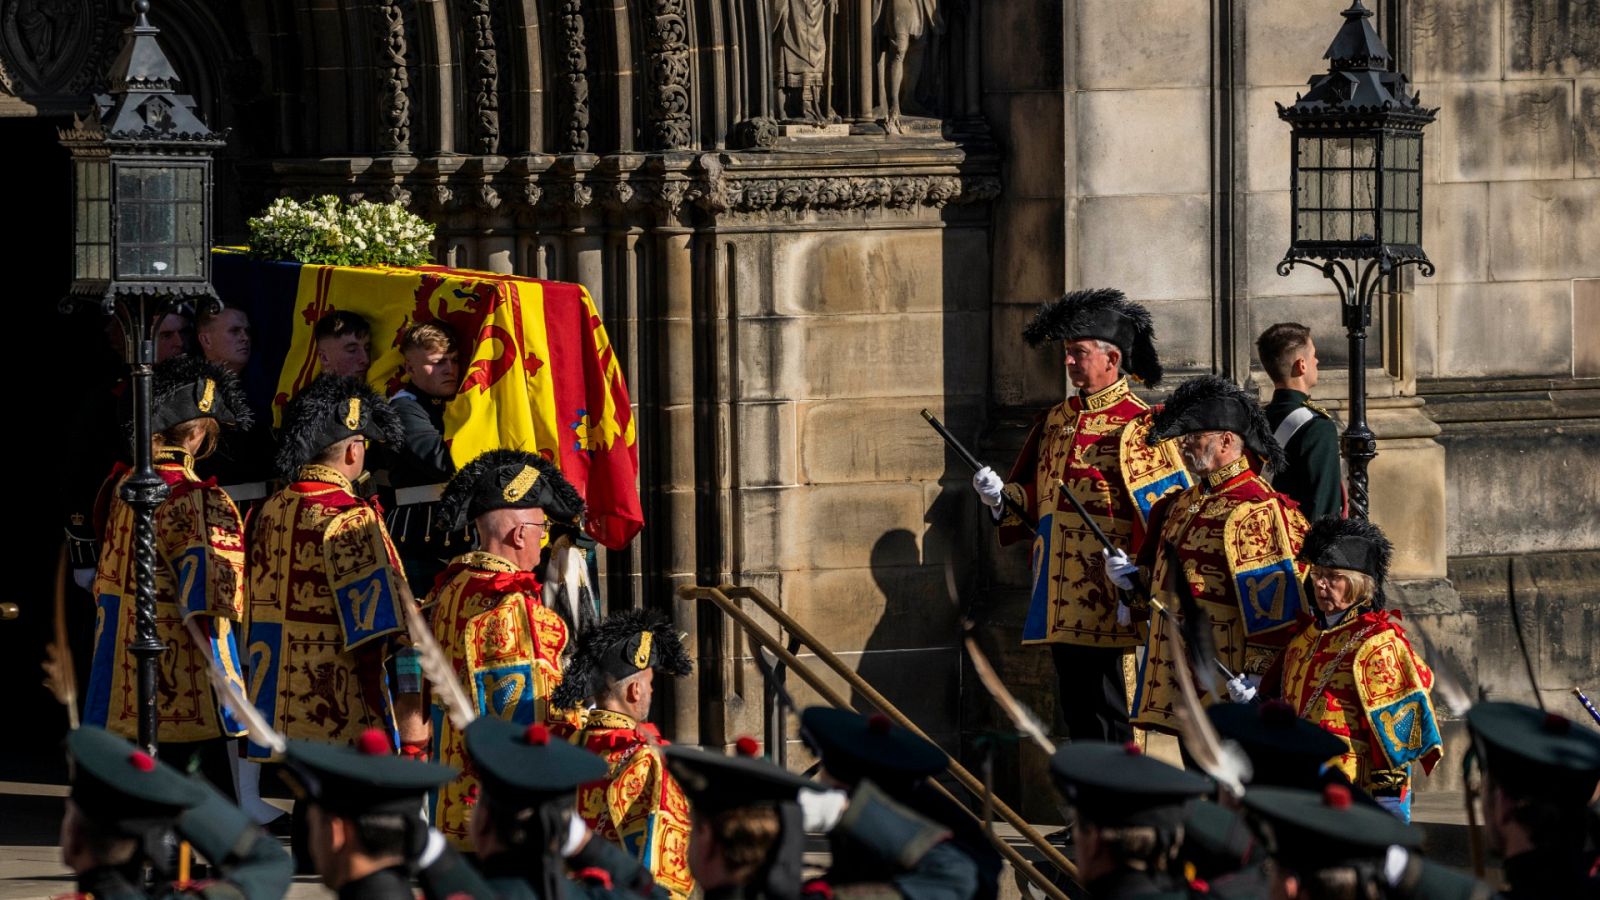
1321 575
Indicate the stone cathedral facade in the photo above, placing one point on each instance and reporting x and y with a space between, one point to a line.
807 220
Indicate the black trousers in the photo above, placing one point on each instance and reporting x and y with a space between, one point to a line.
1090 688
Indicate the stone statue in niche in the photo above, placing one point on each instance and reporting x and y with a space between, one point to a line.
802 32
897 24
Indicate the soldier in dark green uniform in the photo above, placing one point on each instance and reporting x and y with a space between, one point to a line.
525 826
124 804
1285 751
1326 844
855 748
364 828
1306 432
1541 772
1131 809
748 835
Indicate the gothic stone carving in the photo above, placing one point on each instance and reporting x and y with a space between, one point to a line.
52 46
394 83
667 60
801 61
843 193
575 97
897 23
484 69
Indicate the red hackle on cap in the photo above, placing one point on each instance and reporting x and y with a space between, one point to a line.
1277 712
1336 796
747 746
1555 723
538 735
142 761
374 742
878 723
1132 748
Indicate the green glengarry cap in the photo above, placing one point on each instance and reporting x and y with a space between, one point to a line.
524 765
365 778
1117 785
854 746
1308 831
716 783
115 783
1535 754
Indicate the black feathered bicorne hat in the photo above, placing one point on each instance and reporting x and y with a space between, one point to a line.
188 387
1213 403
331 409
1354 544
1103 314
508 479
624 644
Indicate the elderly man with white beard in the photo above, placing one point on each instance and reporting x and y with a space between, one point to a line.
1234 538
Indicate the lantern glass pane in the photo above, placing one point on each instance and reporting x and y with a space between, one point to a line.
1365 195
1336 153
1363 152
1336 190
1310 153
91 212
1362 223
1336 226
1309 227
1310 193
191 185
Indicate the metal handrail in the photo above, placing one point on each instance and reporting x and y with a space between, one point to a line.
724 597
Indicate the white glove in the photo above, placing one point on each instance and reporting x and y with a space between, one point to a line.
577 836
821 810
1124 615
432 850
1118 568
989 487
84 578
1242 688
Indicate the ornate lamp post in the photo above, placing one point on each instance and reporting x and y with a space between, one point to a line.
141 172
1356 178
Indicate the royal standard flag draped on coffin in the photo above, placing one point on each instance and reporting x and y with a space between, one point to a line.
539 373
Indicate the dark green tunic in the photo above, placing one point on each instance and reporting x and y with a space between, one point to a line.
1312 478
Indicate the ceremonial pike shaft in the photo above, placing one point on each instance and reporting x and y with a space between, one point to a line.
969 459
1584 699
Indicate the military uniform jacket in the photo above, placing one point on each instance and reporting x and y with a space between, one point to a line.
252 863
600 871
323 610
638 805
1096 444
1312 478
1361 680
199 570
505 647
1236 542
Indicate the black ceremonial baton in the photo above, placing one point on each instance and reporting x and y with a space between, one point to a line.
967 457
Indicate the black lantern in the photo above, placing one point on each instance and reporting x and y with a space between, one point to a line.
141 172
1356 194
